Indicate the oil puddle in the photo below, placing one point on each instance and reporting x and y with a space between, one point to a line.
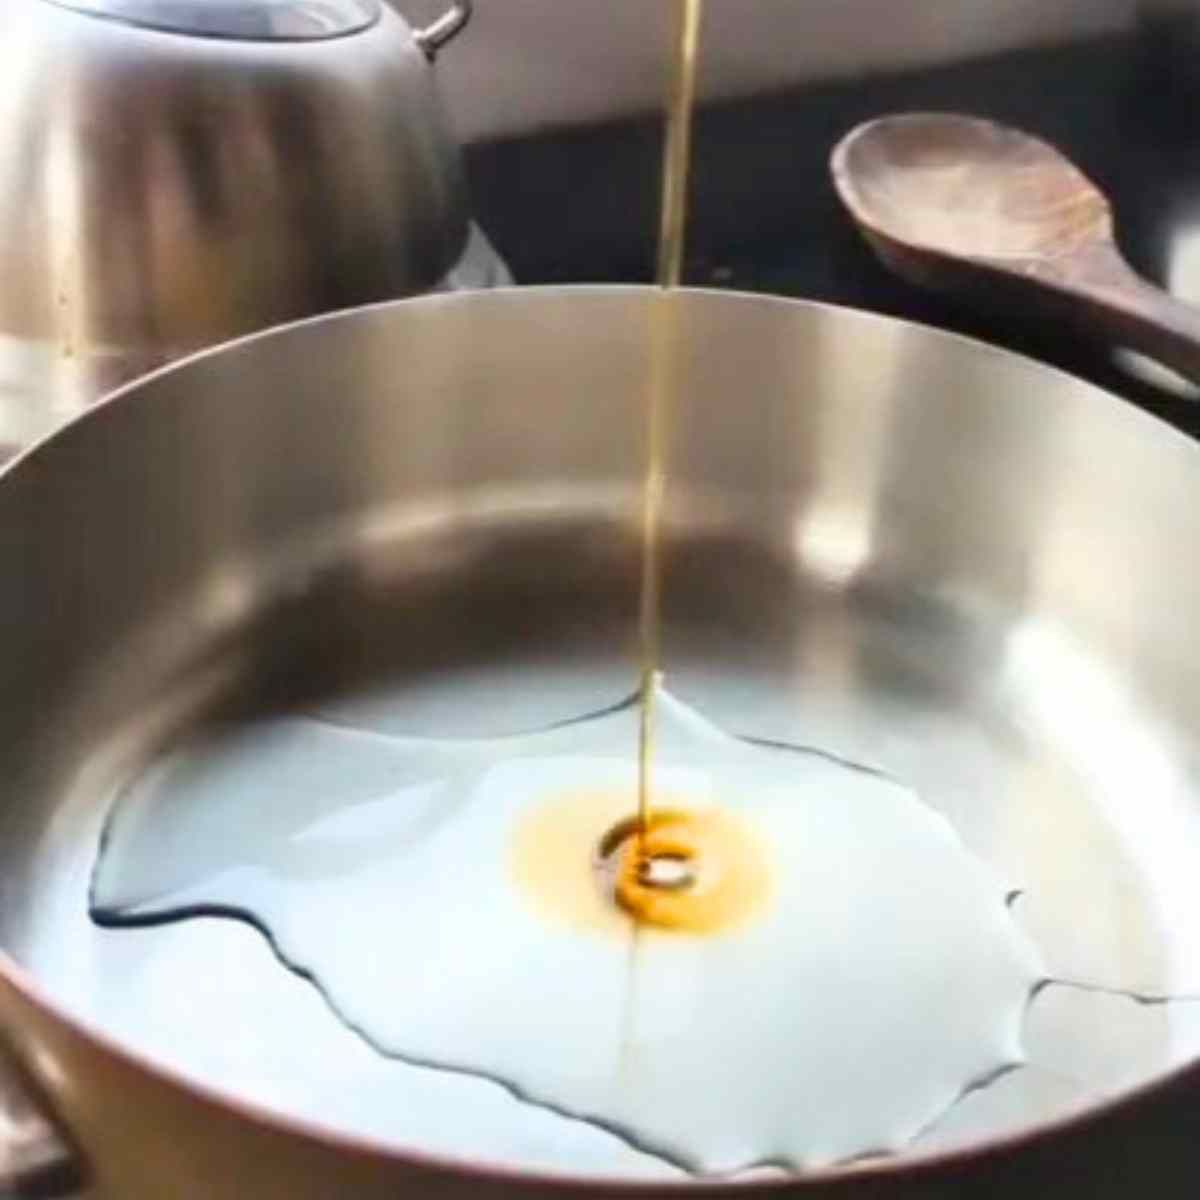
824 972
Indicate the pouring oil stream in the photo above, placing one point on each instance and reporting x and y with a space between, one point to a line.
664 364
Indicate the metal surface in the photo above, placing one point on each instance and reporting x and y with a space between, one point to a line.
260 20
40 390
904 547
162 193
34 1159
435 35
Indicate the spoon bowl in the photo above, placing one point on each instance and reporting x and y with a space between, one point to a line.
965 204
967 186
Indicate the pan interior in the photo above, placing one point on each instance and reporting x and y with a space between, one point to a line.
914 552
525 623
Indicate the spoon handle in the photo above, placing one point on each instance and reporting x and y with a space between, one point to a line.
1126 308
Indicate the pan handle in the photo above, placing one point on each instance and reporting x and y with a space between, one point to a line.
437 33
35 1161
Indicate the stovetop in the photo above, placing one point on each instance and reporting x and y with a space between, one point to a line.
580 205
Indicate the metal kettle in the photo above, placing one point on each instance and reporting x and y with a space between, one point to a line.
174 173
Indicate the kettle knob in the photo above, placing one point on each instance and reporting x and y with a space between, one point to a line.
260 20
266 20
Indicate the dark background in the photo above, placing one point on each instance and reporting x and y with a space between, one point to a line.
581 205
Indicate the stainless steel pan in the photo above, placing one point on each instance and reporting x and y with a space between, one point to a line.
929 555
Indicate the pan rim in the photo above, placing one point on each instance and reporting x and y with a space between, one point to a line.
388 1152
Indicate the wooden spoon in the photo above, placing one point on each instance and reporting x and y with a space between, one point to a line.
959 203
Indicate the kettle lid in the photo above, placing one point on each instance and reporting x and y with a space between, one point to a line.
249 20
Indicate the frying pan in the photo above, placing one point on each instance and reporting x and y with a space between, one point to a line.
919 552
